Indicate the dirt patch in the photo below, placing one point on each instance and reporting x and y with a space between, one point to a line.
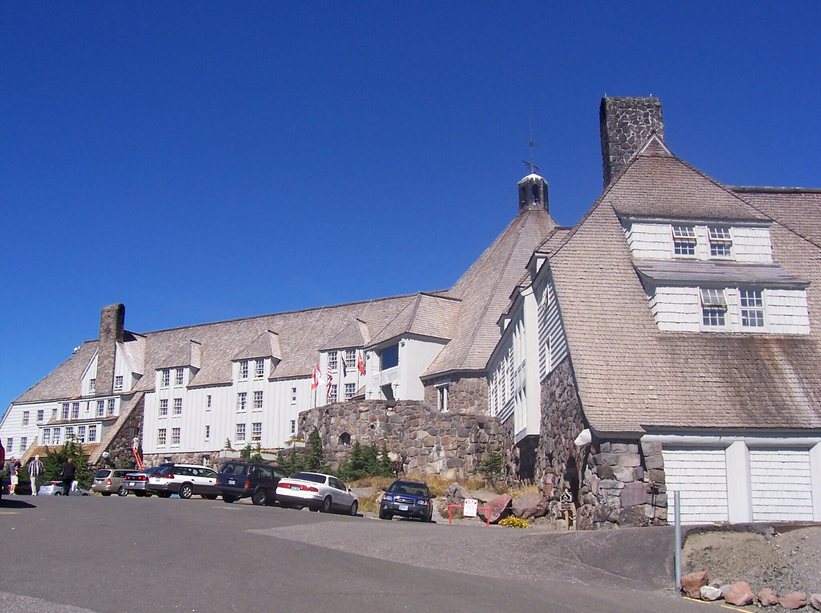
764 557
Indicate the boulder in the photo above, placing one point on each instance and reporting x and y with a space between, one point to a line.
499 508
815 601
793 600
767 597
692 583
708 592
527 506
456 494
740 594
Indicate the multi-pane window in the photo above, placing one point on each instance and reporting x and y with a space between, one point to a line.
111 406
92 434
240 432
208 401
66 408
293 395
350 358
54 413
752 308
69 433
258 400
721 243
41 415
333 360
75 410
207 431
24 442
25 418
118 383
178 374
100 408
442 398
243 369
332 392
81 434
9 444
163 407
684 240
256 431
92 386
46 436
175 436
177 406
56 437
165 378
259 369
713 307
161 438
293 426
350 390
242 401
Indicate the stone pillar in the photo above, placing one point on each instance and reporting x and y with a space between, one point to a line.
112 322
739 488
626 124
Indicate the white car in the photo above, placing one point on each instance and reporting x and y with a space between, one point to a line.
55 488
318 492
184 480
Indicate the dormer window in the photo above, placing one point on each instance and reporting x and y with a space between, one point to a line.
389 357
178 376
752 308
684 241
92 386
118 383
165 378
333 360
259 371
713 307
721 243
243 370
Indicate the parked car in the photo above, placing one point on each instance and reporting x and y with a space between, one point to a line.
407 499
55 488
185 480
238 479
137 480
318 492
109 481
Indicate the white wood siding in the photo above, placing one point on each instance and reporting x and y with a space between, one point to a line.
786 311
752 244
655 241
676 309
781 485
650 241
701 477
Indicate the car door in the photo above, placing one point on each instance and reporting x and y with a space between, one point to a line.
340 496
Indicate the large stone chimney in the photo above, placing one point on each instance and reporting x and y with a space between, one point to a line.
112 322
626 124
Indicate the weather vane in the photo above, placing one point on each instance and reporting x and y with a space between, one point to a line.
531 143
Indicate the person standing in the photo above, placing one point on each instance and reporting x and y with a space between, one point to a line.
14 474
36 469
67 475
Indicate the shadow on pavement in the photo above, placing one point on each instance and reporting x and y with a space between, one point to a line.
10 502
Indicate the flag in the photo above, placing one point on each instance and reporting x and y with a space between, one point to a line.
343 365
360 363
315 375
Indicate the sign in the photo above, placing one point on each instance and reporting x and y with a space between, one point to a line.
470 507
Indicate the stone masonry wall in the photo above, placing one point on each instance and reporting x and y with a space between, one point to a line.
119 450
626 124
112 320
421 438
465 395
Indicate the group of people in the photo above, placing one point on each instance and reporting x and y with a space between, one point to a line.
36 470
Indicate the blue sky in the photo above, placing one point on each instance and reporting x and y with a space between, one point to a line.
207 161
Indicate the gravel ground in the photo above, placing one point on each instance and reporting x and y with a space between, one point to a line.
784 559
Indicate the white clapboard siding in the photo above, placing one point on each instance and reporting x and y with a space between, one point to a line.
677 309
787 311
781 485
650 241
701 477
557 340
752 244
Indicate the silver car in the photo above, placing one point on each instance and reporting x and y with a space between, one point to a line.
55 488
318 492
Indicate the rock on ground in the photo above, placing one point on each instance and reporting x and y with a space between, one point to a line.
767 597
708 592
739 594
815 601
693 582
793 600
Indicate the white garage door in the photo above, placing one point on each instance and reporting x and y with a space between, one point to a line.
701 477
781 485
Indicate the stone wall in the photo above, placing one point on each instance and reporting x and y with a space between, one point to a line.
421 438
119 449
626 124
465 395
112 320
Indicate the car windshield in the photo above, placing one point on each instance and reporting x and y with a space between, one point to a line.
310 477
238 470
415 489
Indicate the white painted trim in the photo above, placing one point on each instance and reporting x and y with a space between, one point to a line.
815 476
768 440
739 485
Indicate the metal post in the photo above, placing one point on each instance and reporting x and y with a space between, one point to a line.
677 502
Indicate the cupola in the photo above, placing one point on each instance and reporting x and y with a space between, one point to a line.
532 193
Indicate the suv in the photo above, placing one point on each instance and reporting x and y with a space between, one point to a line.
238 479
108 481
185 480
408 499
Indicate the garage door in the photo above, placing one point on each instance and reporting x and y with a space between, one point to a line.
781 485
701 477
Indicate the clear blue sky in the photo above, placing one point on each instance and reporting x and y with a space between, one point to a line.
206 161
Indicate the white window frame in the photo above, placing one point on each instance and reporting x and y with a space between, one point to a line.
243 370
163 407
721 242
177 410
293 427
259 369
208 402
101 408
442 397
293 395
207 431
333 360
118 383
69 433
46 436
81 434
65 409
26 416
256 431
41 415
179 376
350 390
24 442
240 433
713 308
92 434
333 392
175 436
684 240
350 358
751 308
111 406
162 437
242 402
92 386
165 377
75 410
56 436
257 401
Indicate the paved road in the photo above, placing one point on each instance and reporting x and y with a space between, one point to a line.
134 554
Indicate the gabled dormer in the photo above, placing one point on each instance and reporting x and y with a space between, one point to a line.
258 360
178 369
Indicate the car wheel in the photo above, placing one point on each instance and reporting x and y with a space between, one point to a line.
354 508
140 494
106 493
122 491
57 494
186 491
326 505
259 497
228 498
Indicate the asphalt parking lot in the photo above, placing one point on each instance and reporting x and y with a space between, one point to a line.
151 554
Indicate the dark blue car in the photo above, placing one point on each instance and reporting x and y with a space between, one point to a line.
407 499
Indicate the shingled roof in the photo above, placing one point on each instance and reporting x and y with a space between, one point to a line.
631 376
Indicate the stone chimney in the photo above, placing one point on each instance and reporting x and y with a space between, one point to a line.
112 322
626 124
532 193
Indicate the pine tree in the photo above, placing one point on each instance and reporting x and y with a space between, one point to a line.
314 460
